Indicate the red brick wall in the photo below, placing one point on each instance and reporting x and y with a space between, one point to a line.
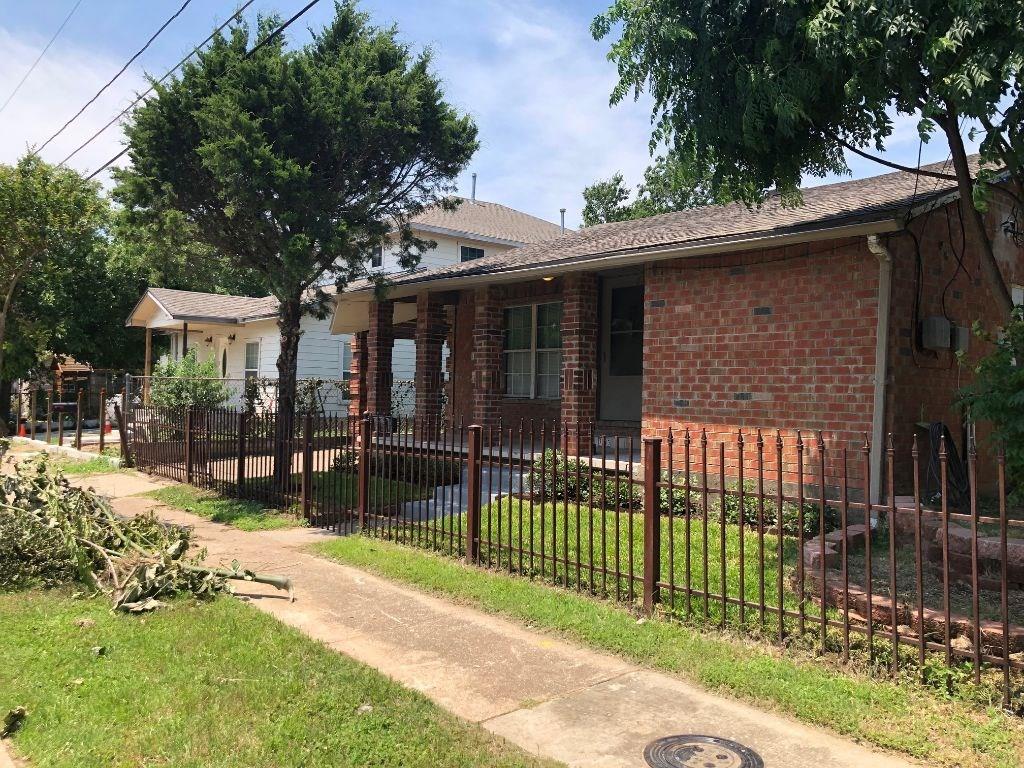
923 384
379 347
773 339
579 351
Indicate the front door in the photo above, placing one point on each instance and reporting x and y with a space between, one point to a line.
622 348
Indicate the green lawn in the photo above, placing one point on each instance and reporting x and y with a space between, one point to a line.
95 466
341 489
904 717
243 514
211 685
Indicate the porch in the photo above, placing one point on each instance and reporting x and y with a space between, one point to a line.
562 349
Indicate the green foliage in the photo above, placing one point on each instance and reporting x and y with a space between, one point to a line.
754 96
187 382
997 395
669 185
573 480
404 467
57 295
293 162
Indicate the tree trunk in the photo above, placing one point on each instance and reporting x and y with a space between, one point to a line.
5 405
289 318
974 220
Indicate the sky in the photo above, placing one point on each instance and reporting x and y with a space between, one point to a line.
528 72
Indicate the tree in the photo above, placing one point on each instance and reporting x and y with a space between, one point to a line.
997 394
290 162
51 236
761 94
669 185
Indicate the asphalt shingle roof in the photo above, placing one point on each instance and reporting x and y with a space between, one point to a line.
491 220
878 198
213 306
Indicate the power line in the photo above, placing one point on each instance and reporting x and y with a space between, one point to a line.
241 9
41 54
119 73
265 41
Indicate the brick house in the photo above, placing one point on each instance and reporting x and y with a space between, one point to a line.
842 316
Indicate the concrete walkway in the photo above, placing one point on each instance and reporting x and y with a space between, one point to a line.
546 695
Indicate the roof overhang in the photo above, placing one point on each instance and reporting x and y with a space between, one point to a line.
458 233
351 313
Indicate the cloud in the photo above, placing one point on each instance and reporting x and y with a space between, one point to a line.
538 86
65 79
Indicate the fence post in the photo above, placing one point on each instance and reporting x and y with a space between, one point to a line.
49 414
307 465
78 420
188 445
652 522
103 418
122 433
473 487
364 471
240 466
32 414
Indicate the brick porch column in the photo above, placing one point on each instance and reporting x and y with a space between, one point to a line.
579 356
431 330
357 381
487 345
380 341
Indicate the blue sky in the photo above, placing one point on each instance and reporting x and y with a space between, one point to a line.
527 70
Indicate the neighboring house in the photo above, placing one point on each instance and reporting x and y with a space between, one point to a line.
842 315
241 333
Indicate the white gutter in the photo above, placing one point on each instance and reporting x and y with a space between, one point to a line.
878 445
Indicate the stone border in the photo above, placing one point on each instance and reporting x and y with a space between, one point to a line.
933 621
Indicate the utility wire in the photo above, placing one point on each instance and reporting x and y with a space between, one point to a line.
119 73
265 41
241 9
40 56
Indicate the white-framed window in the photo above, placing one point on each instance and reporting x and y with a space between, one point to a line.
252 359
346 361
377 257
1017 294
533 350
469 253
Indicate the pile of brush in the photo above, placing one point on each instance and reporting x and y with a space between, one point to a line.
52 533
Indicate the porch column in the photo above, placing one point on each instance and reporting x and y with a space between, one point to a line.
430 335
147 370
579 356
380 341
357 380
487 345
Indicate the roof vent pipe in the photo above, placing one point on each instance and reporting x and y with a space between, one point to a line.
562 211
473 193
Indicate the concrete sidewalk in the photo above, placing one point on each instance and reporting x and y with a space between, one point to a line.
548 696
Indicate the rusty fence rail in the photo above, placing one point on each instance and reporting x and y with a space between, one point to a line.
911 561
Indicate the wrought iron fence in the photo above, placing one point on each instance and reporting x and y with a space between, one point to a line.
81 417
772 534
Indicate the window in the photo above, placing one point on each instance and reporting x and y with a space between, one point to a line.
377 257
626 331
468 253
252 359
346 361
1017 294
533 351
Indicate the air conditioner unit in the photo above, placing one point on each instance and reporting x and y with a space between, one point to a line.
935 332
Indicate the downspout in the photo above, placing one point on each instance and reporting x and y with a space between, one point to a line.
881 252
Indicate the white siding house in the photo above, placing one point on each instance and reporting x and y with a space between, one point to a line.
241 334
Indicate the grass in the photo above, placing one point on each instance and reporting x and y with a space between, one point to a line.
99 465
341 489
242 514
211 685
905 717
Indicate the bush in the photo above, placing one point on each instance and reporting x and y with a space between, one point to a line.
187 382
616 492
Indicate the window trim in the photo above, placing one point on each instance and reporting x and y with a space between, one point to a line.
533 349
259 353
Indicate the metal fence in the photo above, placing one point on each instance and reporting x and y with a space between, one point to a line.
80 417
775 536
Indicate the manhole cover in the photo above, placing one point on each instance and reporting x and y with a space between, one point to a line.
691 751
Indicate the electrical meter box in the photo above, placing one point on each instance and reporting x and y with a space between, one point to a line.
935 332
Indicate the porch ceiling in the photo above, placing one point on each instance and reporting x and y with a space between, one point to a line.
353 314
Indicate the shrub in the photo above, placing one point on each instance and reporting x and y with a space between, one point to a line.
187 382
559 483
409 468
